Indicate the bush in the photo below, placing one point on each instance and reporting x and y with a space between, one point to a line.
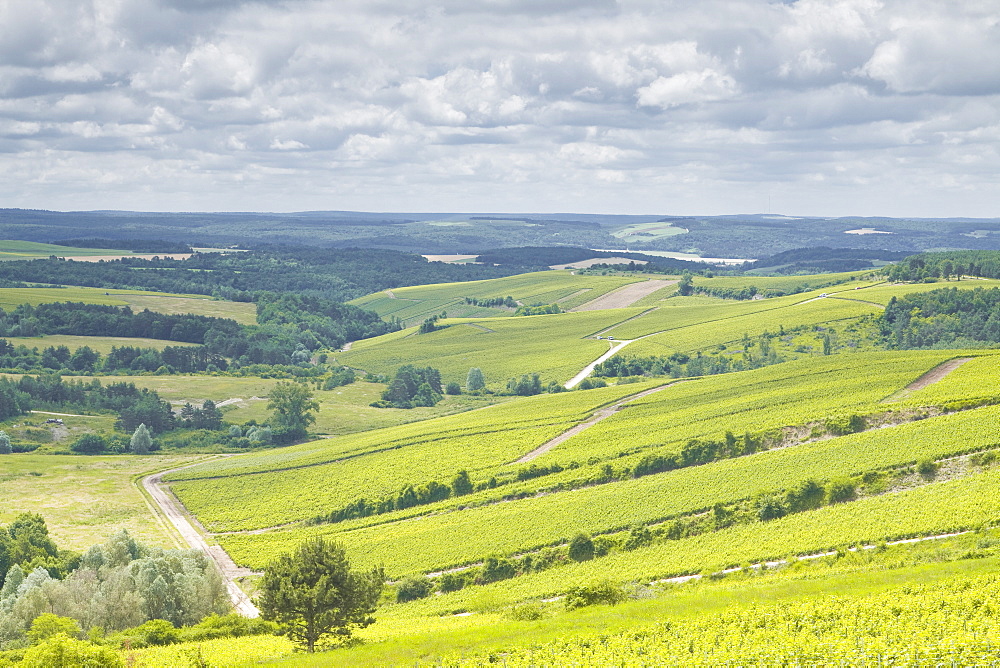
232 625
61 650
413 588
452 582
581 548
156 632
927 467
601 592
526 612
838 491
89 444
453 388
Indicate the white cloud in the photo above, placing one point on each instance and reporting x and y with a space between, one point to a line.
891 105
686 88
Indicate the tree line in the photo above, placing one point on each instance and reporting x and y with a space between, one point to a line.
332 273
951 264
945 318
292 326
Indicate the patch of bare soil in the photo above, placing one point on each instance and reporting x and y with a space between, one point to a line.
625 296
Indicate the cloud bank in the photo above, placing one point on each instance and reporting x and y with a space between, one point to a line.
713 106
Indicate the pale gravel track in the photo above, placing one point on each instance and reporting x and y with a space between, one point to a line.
172 510
934 375
599 414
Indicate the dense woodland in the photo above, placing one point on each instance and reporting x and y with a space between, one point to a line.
333 274
953 264
946 318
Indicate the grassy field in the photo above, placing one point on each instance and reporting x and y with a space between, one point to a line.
101 344
31 250
343 410
413 304
554 346
160 302
84 499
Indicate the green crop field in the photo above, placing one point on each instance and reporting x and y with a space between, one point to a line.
330 474
413 304
554 346
159 302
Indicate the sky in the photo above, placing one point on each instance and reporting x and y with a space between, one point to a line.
854 107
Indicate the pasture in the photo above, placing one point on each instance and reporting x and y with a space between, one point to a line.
160 302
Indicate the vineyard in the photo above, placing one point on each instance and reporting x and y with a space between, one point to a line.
412 304
752 515
554 346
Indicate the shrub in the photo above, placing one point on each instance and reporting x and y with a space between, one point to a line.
89 444
927 467
581 548
413 588
838 491
594 594
453 388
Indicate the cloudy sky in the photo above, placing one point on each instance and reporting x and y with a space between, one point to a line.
692 106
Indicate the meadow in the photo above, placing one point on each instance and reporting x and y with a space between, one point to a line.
85 499
160 302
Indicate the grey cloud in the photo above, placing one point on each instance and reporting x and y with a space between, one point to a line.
597 101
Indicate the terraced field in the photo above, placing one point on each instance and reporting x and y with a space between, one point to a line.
762 402
299 482
554 346
413 304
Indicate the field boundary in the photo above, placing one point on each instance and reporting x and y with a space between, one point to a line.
599 414
174 511
929 377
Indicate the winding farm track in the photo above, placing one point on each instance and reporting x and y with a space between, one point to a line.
172 510
599 414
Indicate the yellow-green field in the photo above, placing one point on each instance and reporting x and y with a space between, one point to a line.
554 346
413 304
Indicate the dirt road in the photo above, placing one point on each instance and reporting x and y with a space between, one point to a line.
171 509
600 414
929 378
